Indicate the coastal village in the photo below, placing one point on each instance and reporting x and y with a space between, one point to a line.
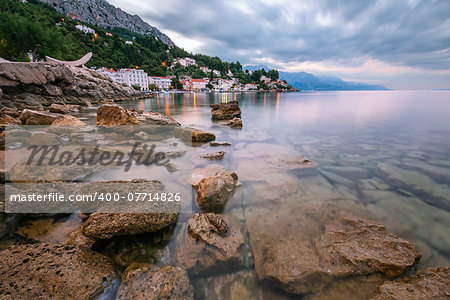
216 82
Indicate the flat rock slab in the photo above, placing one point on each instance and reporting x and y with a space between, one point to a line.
304 247
107 225
49 271
32 117
209 243
165 283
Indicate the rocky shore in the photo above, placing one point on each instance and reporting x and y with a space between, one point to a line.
37 86
277 243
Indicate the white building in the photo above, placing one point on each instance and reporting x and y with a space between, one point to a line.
129 43
114 75
163 83
265 79
250 87
198 84
134 77
205 69
217 73
185 62
85 29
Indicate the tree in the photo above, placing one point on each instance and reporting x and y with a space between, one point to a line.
176 84
273 74
209 86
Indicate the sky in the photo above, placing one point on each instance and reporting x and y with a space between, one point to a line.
402 44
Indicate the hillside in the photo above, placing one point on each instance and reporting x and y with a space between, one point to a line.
307 81
107 16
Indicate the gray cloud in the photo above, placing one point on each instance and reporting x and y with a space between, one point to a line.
409 33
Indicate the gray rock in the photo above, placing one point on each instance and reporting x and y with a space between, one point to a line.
42 138
225 111
194 135
214 155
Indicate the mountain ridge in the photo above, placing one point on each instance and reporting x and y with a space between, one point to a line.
103 14
308 81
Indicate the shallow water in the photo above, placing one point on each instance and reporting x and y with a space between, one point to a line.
384 154
349 134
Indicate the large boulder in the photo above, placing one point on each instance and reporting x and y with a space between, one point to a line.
213 192
427 284
110 114
48 271
165 283
32 117
194 135
209 243
225 111
107 225
318 243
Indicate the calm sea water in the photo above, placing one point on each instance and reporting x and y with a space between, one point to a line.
352 135
383 154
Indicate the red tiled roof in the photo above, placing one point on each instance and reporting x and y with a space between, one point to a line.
198 80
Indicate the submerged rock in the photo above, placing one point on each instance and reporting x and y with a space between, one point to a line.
422 185
110 115
48 271
194 135
225 111
107 225
214 192
427 284
304 247
209 243
165 283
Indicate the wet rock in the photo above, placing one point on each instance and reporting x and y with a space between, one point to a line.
171 167
225 111
63 108
318 243
109 115
209 243
199 173
6 119
10 112
235 123
422 185
68 121
165 283
217 144
214 155
214 192
107 225
32 117
427 284
48 271
194 135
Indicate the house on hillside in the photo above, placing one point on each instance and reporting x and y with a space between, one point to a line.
198 84
114 75
185 62
85 29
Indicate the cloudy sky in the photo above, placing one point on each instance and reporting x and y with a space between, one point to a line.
403 44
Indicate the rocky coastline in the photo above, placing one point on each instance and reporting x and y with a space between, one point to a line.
310 249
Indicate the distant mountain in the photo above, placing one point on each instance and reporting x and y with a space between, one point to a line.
307 81
105 15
